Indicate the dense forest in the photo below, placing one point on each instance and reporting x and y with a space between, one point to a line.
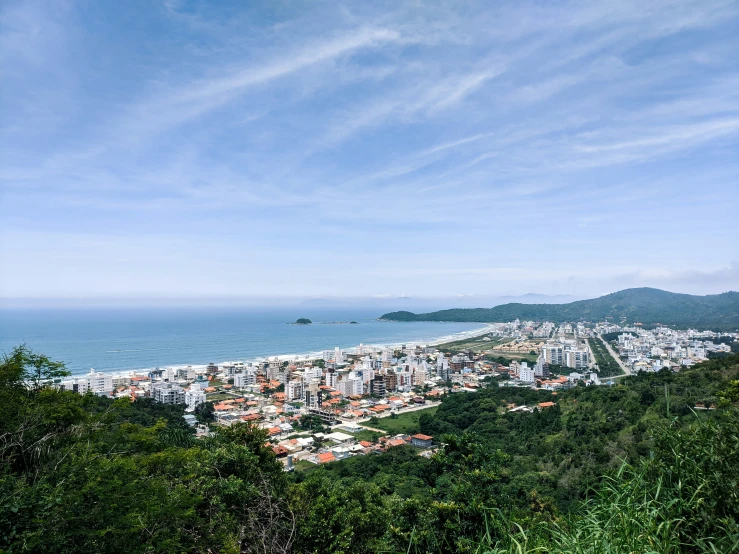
719 312
648 465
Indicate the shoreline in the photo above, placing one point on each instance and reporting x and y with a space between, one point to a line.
312 355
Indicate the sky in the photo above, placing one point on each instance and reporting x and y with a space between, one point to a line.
175 149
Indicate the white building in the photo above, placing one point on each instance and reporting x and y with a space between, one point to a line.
248 377
78 385
167 393
99 382
194 396
526 373
294 390
311 373
577 359
332 377
350 386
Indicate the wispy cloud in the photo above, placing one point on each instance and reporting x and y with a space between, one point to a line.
490 142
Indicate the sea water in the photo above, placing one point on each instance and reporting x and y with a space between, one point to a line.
124 339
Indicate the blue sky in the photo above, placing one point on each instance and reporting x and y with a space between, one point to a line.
177 149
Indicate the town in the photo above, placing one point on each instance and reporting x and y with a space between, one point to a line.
322 409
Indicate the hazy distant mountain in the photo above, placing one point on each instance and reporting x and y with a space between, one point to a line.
393 303
533 298
646 305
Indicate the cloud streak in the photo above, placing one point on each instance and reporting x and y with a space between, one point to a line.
419 148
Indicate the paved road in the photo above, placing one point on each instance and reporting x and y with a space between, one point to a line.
616 357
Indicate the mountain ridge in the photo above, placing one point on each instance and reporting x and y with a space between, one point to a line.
648 306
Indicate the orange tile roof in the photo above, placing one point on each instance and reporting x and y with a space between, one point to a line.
395 442
326 457
275 431
366 444
546 404
422 437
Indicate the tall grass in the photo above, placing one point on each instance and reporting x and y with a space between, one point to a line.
684 498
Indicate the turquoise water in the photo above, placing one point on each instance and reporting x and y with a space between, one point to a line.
126 339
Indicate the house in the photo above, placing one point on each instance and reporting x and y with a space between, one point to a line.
422 441
280 450
325 458
395 442
543 405
339 437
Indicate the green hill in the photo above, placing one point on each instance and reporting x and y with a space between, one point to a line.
646 305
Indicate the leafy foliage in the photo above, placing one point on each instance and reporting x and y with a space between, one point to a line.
628 468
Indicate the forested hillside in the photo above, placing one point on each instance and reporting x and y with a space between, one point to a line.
719 312
631 468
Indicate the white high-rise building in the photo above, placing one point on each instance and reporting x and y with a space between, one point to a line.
194 396
311 373
332 377
350 386
78 385
99 382
526 373
248 377
294 390
576 359
338 356
167 393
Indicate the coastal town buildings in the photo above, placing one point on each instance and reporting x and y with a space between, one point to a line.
376 382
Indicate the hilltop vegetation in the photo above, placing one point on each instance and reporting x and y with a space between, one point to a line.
629 468
719 312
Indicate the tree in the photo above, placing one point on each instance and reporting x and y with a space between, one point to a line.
22 366
312 422
205 412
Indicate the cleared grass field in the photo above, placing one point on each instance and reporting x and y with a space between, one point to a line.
218 396
366 435
404 423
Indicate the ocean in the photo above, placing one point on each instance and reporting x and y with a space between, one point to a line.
124 339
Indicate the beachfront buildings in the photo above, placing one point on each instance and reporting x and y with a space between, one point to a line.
99 382
168 393
194 396
245 378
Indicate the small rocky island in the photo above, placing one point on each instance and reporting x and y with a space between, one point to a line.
303 321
